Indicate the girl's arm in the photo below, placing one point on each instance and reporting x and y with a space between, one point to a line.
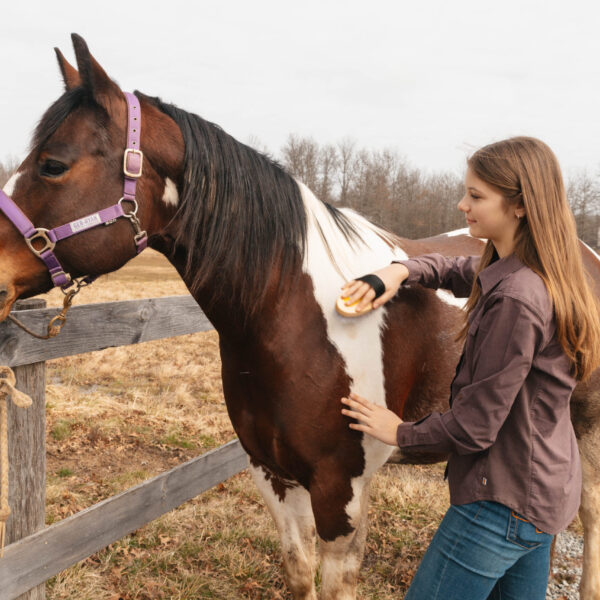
455 273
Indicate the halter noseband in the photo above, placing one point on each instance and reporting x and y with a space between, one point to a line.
132 171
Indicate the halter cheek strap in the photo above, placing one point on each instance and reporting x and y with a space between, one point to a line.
132 170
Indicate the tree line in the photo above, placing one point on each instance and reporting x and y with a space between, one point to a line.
383 186
386 188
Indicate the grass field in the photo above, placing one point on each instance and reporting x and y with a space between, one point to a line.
122 415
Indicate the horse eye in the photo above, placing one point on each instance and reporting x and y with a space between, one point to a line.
52 168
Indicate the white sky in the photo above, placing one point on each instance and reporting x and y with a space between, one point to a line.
433 79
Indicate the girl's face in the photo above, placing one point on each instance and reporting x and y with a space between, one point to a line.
488 215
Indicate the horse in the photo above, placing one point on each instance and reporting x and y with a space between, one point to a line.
265 259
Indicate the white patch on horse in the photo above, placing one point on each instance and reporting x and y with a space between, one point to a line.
449 298
295 523
170 195
9 187
358 340
589 513
455 232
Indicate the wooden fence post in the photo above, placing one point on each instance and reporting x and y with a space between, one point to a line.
27 455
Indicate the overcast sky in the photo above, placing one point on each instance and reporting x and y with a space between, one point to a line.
432 79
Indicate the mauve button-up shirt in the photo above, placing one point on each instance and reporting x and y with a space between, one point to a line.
508 430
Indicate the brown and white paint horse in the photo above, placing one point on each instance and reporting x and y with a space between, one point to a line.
265 260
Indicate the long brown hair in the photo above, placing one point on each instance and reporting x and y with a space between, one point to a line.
526 172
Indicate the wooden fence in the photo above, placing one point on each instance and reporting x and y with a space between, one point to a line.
35 553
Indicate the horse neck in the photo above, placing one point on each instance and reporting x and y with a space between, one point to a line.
233 320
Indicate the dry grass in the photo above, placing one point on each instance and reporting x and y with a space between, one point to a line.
122 415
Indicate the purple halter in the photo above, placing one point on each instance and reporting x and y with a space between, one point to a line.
132 170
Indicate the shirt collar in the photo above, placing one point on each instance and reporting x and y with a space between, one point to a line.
497 270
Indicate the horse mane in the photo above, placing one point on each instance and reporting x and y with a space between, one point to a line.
240 213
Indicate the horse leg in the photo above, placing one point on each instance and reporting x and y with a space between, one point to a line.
341 556
290 507
589 512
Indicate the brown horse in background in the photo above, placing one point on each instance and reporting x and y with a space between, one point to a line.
265 260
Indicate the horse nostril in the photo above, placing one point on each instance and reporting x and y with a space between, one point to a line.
3 295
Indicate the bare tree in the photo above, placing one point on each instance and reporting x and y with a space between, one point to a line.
583 193
257 144
7 168
384 187
346 160
328 166
301 158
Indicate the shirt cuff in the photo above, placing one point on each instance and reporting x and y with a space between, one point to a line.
434 433
414 270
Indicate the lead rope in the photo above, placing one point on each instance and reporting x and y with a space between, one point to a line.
56 323
7 390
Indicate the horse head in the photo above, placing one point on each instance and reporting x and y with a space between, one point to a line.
74 172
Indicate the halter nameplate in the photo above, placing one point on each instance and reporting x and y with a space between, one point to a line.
42 241
85 223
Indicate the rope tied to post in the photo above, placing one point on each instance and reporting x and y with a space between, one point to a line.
7 391
56 323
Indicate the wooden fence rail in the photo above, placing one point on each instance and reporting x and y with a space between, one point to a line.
35 554
34 559
97 326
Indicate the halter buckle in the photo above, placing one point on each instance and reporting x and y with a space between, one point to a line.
62 286
128 173
40 234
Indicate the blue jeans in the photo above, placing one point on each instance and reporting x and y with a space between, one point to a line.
484 550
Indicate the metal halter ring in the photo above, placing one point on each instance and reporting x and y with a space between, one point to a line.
41 234
133 213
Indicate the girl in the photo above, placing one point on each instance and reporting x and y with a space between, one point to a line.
532 330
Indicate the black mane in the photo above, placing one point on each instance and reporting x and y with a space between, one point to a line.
241 213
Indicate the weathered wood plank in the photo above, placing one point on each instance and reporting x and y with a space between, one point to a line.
97 326
35 559
27 456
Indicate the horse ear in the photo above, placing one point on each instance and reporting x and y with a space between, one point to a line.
93 76
69 73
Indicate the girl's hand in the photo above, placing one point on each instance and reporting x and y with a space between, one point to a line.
373 419
392 276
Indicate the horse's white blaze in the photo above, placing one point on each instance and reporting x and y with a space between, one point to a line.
358 340
9 187
170 195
